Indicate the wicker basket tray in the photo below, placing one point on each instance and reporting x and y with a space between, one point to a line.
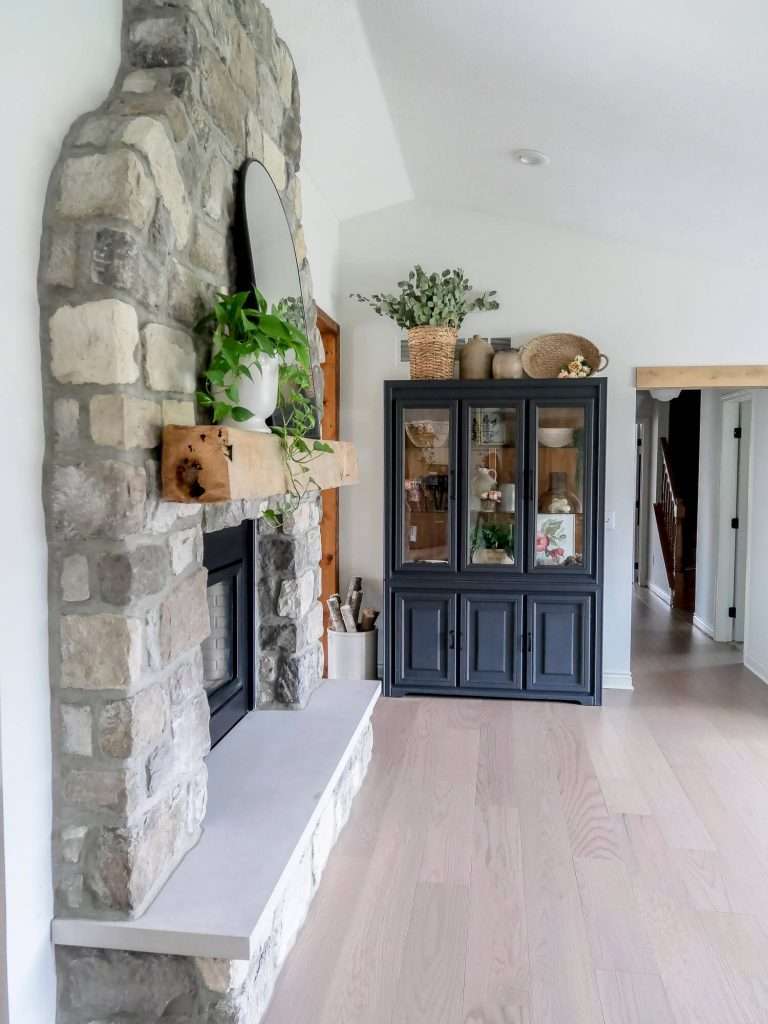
544 356
432 351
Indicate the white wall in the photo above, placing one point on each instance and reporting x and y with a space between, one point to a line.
321 231
48 82
641 306
708 507
756 627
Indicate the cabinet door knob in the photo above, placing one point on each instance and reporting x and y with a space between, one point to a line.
529 643
451 640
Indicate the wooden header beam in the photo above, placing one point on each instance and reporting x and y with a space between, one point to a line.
648 377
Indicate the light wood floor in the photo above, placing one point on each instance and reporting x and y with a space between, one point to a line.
513 863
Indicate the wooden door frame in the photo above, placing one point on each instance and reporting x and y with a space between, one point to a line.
330 333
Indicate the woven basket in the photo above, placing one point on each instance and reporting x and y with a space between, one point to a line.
432 351
544 356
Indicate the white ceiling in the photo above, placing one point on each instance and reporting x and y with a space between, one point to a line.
654 112
350 148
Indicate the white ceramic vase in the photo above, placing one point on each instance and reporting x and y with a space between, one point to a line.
259 395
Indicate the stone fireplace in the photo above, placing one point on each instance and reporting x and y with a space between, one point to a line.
137 238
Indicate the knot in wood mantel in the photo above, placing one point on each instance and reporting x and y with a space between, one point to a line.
213 464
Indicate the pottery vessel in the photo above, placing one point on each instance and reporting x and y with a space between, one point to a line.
475 359
259 395
508 365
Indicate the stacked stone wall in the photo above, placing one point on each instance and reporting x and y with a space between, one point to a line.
137 238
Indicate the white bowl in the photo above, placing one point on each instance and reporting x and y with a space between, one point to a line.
556 437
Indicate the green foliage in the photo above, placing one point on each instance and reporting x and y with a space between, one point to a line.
242 331
437 300
496 536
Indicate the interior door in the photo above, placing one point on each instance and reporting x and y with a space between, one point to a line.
492 505
425 635
425 474
491 641
559 657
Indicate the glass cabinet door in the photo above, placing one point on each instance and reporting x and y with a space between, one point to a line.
493 490
562 486
426 466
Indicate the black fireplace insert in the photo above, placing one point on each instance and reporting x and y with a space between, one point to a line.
228 652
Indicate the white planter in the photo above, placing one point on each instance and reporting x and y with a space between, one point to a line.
352 655
259 395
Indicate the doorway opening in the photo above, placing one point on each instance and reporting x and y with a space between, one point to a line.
693 529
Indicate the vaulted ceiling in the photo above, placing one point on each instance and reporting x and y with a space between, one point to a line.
654 112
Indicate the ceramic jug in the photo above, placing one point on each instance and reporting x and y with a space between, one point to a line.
475 359
507 365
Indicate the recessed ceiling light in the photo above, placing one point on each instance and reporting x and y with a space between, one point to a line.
530 157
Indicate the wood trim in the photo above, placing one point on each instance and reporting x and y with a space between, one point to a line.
329 525
755 376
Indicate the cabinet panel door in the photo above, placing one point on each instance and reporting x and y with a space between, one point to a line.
492 492
425 639
425 450
559 642
492 641
562 487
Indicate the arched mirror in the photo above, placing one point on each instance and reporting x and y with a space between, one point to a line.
266 256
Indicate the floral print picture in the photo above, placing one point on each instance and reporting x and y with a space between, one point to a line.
555 539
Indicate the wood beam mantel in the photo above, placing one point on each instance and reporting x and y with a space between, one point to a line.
211 464
647 377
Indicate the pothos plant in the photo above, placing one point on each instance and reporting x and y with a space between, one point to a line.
437 300
243 331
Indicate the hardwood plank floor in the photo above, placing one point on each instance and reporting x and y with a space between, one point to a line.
550 864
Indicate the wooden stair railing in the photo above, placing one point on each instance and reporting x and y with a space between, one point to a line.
670 516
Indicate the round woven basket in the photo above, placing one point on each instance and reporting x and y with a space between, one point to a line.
546 355
432 351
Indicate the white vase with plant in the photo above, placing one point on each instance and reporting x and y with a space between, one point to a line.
261 360
431 308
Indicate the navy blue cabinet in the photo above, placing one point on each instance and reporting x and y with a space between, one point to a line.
559 652
493 538
491 639
426 624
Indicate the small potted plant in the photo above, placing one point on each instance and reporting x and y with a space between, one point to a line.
492 543
250 348
259 360
431 308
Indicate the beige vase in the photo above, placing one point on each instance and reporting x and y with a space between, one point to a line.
507 365
475 359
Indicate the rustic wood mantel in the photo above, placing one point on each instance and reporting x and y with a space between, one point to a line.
215 463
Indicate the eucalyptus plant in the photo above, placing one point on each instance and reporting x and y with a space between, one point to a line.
243 330
437 300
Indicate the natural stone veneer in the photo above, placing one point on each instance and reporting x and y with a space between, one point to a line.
98 985
137 239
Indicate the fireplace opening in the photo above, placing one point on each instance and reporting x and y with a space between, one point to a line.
228 659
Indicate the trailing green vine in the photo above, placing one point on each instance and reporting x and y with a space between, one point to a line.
243 330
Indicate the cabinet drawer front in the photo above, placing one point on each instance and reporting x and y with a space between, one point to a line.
492 642
560 655
425 639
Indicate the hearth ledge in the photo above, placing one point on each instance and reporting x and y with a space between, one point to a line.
278 793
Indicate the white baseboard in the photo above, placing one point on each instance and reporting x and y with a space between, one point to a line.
704 627
663 595
617 681
756 669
